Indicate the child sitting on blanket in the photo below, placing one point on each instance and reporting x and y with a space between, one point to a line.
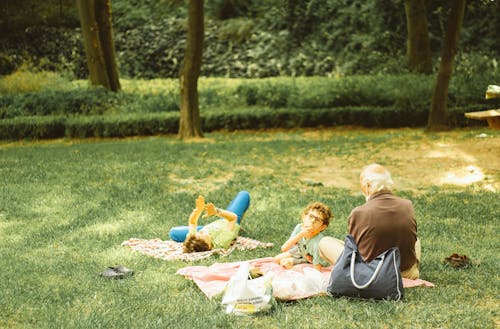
302 246
218 234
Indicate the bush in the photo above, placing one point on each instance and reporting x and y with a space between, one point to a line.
473 73
84 101
152 107
122 126
47 48
36 127
274 93
248 92
140 124
167 102
7 65
25 81
32 128
408 92
60 102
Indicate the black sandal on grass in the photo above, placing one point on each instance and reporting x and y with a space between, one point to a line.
110 273
122 269
118 272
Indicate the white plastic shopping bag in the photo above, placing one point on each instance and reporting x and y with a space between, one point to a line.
296 285
246 296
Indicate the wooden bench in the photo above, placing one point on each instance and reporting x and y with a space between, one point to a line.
492 116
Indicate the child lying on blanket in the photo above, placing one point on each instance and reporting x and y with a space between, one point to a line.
218 234
238 205
302 246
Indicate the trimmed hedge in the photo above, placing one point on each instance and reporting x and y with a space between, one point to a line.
37 127
91 101
32 128
140 124
122 126
151 107
409 93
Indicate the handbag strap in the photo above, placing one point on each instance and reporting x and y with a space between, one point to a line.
377 269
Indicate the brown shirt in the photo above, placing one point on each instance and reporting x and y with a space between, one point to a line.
383 222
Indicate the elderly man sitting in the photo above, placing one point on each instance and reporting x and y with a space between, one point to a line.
383 222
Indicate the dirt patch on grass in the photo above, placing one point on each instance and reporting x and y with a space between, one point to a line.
447 160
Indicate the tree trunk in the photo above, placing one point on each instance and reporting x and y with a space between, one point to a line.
95 19
418 45
438 116
103 18
190 121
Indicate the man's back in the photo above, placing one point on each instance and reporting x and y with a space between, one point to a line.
383 222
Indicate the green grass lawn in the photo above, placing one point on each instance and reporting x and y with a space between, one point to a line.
67 205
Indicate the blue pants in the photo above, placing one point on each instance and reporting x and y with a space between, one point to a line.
239 205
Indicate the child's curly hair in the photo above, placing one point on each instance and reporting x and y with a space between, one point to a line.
322 209
194 244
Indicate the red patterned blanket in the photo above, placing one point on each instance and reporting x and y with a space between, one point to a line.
170 250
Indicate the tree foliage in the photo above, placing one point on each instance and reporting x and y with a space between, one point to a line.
254 38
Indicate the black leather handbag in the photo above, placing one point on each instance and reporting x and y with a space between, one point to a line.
377 279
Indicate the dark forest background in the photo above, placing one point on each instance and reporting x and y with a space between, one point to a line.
244 38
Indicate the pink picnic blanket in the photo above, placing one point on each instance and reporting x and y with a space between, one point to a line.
302 281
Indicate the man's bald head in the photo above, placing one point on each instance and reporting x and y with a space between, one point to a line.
375 178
